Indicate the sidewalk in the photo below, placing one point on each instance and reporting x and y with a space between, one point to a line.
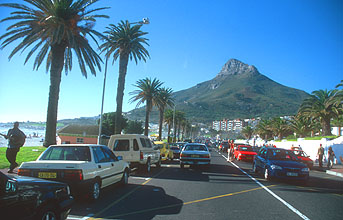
337 169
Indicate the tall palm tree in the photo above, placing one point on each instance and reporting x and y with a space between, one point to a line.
54 29
179 117
168 118
322 105
126 42
164 99
147 92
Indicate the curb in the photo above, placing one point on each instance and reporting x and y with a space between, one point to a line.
334 173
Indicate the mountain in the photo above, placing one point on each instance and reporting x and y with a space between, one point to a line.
237 91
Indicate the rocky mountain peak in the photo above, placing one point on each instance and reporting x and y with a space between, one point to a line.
234 67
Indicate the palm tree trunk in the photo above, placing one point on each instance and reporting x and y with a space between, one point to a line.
57 63
326 127
147 115
123 61
160 124
169 133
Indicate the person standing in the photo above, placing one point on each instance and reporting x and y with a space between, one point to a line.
320 155
331 156
16 139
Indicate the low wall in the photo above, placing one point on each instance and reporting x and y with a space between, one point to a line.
310 146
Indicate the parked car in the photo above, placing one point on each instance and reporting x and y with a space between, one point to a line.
244 152
280 163
195 154
136 149
304 158
176 150
32 198
85 168
165 151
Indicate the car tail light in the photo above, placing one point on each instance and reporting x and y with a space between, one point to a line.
206 156
141 156
24 172
73 174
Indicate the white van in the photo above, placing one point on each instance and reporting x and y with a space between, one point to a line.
136 149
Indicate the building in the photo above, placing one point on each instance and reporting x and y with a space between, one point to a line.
78 134
229 125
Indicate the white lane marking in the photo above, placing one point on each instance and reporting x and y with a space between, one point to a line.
74 217
296 211
139 178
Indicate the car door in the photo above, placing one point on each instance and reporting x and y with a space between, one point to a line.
117 166
122 147
260 158
103 169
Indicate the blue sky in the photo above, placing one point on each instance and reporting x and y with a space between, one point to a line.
298 43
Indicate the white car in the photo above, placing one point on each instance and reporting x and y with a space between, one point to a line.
85 168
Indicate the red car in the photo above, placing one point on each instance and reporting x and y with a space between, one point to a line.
302 156
244 152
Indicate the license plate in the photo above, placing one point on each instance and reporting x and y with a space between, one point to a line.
248 158
195 155
47 175
292 174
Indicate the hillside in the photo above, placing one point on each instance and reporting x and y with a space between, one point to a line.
238 91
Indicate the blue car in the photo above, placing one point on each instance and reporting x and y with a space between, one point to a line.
280 163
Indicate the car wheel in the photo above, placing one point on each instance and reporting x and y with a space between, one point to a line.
266 174
182 165
47 213
94 192
125 178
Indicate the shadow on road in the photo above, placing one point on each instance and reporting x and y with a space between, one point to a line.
130 202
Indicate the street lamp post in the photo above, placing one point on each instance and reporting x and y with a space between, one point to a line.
144 21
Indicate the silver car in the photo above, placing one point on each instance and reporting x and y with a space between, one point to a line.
195 154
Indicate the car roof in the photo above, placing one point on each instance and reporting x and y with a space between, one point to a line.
78 145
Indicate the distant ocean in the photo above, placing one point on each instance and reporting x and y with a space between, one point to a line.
34 136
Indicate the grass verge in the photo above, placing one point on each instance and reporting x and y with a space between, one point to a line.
25 154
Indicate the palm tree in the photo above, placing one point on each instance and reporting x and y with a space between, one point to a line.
126 42
301 125
248 132
322 105
147 92
279 127
263 129
168 118
164 99
54 29
179 117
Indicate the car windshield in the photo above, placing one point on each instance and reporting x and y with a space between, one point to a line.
280 154
245 148
195 147
79 153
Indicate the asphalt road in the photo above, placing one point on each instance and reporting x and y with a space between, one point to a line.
224 191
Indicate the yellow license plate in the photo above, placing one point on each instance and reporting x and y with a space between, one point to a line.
195 155
47 175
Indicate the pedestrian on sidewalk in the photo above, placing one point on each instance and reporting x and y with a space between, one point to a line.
16 139
331 156
320 155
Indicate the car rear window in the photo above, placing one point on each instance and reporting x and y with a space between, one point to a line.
121 145
79 153
195 147
146 143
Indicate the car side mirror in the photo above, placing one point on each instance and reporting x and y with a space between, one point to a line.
120 158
